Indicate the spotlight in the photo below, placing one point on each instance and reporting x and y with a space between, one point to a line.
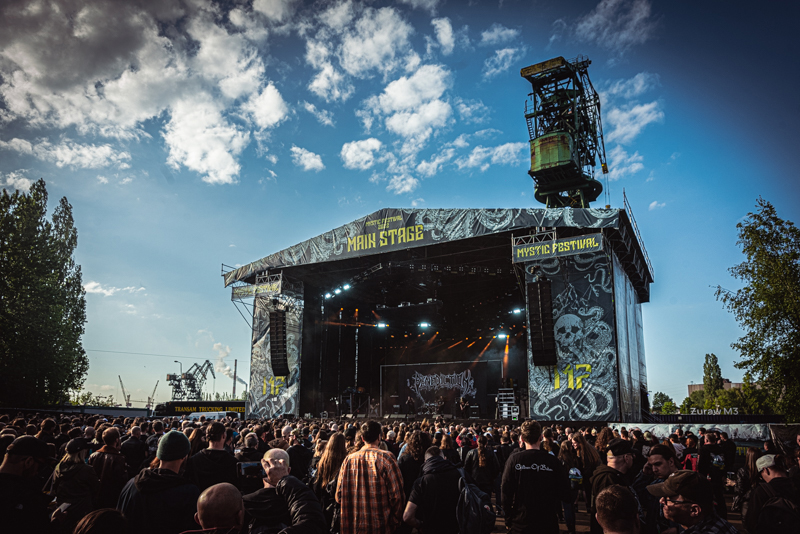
346 287
424 325
328 295
381 325
501 336
517 310
337 290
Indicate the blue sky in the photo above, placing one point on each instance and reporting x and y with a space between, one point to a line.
197 133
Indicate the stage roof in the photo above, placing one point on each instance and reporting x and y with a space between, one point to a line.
390 231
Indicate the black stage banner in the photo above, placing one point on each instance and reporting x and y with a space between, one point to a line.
430 384
559 247
396 229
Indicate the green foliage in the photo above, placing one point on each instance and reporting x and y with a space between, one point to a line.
712 377
42 301
669 408
86 398
768 306
659 399
696 400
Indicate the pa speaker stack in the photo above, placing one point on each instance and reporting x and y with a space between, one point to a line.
540 324
277 343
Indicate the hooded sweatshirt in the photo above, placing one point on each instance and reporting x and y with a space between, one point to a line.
211 466
604 477
77 484
436 495
159 501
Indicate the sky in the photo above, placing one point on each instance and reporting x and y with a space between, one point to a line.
189 134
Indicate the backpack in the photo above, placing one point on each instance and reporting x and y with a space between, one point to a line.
778 515
474 510
691 461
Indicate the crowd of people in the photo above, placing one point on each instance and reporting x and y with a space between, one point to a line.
89 474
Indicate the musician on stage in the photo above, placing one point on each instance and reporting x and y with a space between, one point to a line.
411 408
463 408
440 405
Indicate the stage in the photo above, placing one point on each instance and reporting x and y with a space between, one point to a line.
434 305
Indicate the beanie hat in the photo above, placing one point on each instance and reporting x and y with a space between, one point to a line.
172 446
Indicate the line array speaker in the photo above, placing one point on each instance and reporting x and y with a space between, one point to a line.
277 343
540 324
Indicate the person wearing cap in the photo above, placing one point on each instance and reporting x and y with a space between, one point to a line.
619 461
776 484
213 464
159 500
662 462
23 506
687 499
75 483
533 486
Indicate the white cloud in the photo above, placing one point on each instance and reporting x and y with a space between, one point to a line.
559 28
506 154
378 41
402 183
102 179
628 122
654 205
633 87
621 164
306 159
68 153
427 5
444 35
275 10
97 287
126 180
323 116
497 34
201 139
417 202
501 61
15 180
472 111
431 167
617 24
360 154
267 109
338 16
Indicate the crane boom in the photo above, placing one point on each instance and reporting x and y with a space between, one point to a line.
152 398
125 395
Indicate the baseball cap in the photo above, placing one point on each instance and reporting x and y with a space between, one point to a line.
688 484
76 445
28 446
618 447
768 460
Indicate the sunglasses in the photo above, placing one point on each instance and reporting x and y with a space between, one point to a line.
673 501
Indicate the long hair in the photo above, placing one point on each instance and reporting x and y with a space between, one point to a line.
196 441
447 442
567 456
587 454
74 458
332 458
603 438
418 444
753 454
483 455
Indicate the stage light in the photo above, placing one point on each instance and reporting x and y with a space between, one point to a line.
381 325
424 325
517 311
337 290
346 287
328 295
501 336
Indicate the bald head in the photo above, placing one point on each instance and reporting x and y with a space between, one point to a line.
220 506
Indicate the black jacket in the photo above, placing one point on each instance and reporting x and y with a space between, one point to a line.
410 469
158 501
211 466
135 451
436 495
300 460
290 508
534 484
483 476
604 477
782 486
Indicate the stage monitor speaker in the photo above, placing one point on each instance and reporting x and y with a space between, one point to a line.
277 343
540 324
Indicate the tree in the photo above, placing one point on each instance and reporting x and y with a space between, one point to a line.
669 408
768 306
42 301
696 399
712 378
659 399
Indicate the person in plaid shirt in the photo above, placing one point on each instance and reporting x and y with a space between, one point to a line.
370 487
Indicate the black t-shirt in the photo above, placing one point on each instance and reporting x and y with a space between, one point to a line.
436 496
534 484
